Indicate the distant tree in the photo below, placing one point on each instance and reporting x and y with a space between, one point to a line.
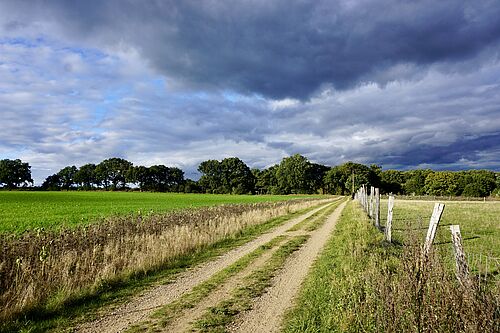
265 180
442 183
231 175
85 177
473 190
112 172
140 175
477 183
163 178
211 178
237 178
339 179
190 186
52 183
374 176
391 181
15 173
496 191
293 175
316 175
415 181
257 173
67 176
175 181
159 177
334 181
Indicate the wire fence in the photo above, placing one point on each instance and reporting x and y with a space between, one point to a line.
444 198
482 267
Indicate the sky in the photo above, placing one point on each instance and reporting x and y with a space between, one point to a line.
403 84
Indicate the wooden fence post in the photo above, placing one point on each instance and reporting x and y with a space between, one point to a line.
388 226
371 202
433 224
462 269
377 208
363 198
366 198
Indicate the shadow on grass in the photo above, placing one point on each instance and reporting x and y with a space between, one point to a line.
450 242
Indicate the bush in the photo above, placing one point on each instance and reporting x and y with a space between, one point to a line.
474 190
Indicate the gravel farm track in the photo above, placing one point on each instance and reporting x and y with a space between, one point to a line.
266 312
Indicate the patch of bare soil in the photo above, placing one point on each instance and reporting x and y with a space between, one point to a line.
141 307
267 312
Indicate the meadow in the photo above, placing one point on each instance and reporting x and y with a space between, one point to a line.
20 211
479 223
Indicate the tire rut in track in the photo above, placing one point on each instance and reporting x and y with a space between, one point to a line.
141 307
267 311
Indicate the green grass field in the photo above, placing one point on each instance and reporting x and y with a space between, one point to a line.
479 223
20 211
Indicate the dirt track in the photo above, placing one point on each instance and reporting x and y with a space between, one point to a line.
139 308
267 311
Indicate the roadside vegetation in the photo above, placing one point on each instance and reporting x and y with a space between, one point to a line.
44 270
362 284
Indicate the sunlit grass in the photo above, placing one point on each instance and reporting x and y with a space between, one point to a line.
20 211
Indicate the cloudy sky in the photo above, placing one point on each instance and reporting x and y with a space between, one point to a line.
403 84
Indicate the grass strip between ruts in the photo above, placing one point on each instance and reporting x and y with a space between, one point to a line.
321 212
316 223
217 317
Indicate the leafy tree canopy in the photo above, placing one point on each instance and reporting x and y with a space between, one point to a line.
15 173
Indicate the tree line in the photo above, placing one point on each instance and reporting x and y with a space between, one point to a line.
293 175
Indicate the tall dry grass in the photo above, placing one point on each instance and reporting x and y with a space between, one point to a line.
411 292
41 263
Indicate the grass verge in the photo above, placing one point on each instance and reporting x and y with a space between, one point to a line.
362 284
61 312
217 317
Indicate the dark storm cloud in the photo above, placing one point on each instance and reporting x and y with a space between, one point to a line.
467 149
277 48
